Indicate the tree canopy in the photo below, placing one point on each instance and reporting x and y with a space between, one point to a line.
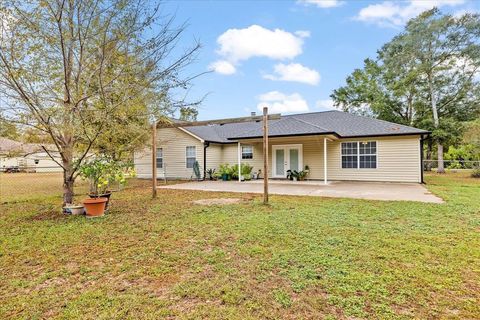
427 76
90 74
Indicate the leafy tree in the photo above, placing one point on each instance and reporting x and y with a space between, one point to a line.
188 114
472 134
427 76
8 130
89 74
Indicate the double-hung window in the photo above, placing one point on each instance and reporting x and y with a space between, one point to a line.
368 155
247 152
190 153
349 155
359 155
159 158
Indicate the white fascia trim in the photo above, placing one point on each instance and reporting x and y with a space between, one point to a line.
193 135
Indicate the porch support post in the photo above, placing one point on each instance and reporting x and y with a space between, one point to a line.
239 161
325 160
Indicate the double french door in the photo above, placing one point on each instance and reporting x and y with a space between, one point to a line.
286 157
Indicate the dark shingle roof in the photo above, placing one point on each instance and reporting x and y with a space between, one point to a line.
341 124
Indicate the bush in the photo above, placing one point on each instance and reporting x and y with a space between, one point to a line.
476 173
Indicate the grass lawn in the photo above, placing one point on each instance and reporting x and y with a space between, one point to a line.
300 257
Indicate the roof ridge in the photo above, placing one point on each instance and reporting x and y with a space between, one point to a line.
313 112
311 124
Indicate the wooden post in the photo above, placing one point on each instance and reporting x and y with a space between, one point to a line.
154 160
265 155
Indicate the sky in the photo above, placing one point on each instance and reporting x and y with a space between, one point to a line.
286 55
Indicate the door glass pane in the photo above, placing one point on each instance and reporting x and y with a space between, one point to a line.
279 162
294 159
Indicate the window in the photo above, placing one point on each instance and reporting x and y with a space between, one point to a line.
368 155
349 155
160 158
247 152
190 156
359 155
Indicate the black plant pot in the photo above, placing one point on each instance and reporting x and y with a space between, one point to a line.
105 195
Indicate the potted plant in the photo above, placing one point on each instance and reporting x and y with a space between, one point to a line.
246 171
211 174
225 171
101 174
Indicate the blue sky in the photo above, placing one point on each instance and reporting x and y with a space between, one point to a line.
288 55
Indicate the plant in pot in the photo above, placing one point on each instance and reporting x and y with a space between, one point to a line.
211 174
246 171
101 174
225 171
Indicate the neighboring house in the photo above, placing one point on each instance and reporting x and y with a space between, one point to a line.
28 157
334 144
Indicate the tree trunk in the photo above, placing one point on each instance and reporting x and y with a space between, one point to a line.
441 166
67 189
428 166
68 180
436 122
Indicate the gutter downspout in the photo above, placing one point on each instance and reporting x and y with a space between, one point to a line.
422 139
206 144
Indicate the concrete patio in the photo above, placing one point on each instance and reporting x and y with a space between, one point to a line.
337 189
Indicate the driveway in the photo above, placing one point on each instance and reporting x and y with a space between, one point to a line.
337 189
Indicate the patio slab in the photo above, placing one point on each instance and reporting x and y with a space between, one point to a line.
337 189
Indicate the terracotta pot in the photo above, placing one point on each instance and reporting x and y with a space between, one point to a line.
104 195
95 207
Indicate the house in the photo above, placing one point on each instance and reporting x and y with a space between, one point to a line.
335 145
27 157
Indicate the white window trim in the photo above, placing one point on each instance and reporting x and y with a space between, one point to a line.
358 155
186 155
250 146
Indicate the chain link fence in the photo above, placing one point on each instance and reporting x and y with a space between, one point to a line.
32 183
430 165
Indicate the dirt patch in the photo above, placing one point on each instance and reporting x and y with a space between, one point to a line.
218 201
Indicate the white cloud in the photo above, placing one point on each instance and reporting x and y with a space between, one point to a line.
256 41
236 45
294 72
325 104
278 102
395 14
223 67
322 3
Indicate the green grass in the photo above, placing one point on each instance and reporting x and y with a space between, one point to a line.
300 257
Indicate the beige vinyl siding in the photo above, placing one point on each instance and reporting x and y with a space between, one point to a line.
398 157
214 156
174 142
398 160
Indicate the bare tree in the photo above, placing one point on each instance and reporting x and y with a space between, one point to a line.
71 68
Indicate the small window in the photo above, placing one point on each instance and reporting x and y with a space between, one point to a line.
247 152
160 158
359 155
190 156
